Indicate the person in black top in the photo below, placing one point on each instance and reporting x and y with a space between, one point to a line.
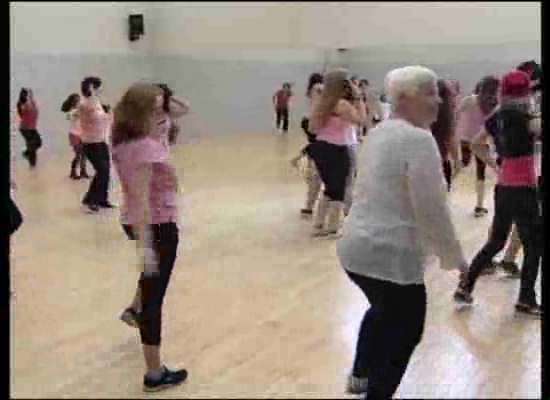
514 131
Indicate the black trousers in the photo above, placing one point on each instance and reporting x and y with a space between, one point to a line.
281 118
447 173
153 288
517 205
333 163
33 142
78 160
311 137
98 154
481 167
391 329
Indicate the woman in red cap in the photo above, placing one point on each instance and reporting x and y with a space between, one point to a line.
514 131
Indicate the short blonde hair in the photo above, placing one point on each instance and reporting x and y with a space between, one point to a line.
407 80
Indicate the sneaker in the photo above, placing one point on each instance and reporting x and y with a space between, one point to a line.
305 211
106 204
529 309
91 208
511 268
490 269
356 385
130 317
480 212
462 295
166 380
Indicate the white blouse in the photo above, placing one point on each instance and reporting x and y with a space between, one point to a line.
400 213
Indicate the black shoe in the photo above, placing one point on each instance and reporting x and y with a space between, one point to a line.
106 204
74 176
130 317
463 294
84 175
490 269
305 211
511 268
91 208
531 308
356 385
167 379
480 212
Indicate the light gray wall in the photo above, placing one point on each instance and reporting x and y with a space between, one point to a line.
229 58
55 45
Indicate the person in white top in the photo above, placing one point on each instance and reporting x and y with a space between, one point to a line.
399 216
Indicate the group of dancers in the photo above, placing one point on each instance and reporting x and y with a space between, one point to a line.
399 212
399 207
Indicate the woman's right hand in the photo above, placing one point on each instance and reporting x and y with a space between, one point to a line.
150 261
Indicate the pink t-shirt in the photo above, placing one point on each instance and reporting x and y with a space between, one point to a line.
94 121
338 131
127 159
469 119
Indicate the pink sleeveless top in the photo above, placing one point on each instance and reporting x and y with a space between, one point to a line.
338 131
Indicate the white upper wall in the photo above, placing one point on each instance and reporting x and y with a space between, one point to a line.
232 26
188 27
75 27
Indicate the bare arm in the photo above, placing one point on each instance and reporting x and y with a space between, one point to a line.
140 188
481 149
355 112
178 107
535 126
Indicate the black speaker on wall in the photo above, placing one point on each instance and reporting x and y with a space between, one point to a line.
135 26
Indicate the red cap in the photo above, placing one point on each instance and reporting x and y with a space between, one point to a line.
515 84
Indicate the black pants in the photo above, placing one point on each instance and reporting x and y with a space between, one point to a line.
79 159
153 289
333 163
98 154
281 117
447 173
33 142
390 331
514 205
311 137
465 149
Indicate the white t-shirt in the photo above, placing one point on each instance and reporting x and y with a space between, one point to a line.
400 213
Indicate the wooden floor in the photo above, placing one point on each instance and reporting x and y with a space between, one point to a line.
256 308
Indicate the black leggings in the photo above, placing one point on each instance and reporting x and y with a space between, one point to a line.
33 142
333 163
281 117
98 154
465 149
447 173
391 329
311 137
514 205
78 160
153 289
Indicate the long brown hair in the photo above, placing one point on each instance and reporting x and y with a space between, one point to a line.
336 87
442 128
135 113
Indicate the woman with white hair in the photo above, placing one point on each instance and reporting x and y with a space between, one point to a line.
399 215
334 118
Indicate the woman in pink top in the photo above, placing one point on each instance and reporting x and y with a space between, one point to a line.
94 121
70 108
471 115
335 119
27 110
149 187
